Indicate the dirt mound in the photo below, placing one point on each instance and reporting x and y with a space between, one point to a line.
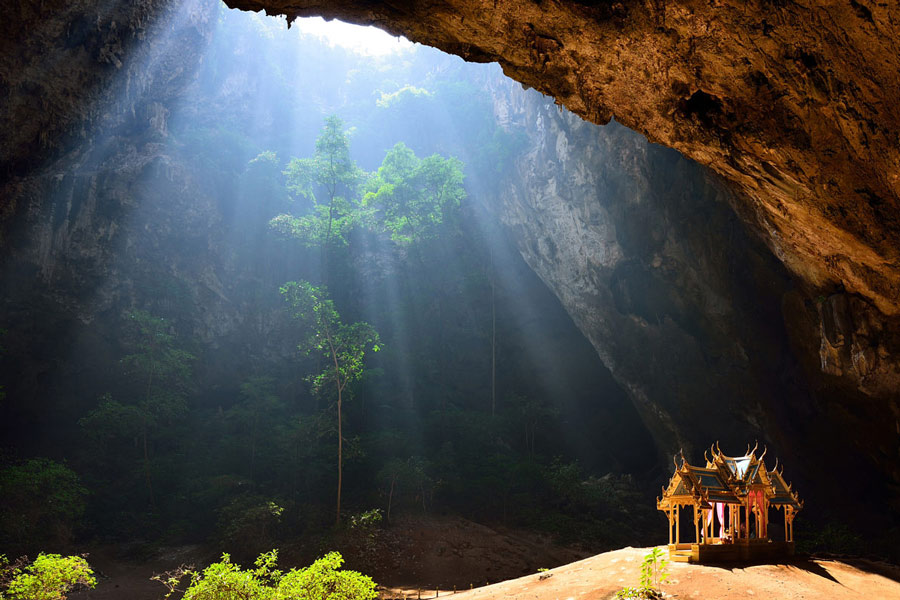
599 577
455 553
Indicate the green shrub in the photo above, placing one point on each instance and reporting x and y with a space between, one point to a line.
43 502
250 517
49 577
832 538
224 580
324 580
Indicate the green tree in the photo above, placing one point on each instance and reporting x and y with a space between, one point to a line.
164 369
160 372
416 201
328 184
530 413
258 401
342 346
412 197
325 580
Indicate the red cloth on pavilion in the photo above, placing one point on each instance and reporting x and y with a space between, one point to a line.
757 498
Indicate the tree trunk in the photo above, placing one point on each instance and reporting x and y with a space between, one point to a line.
340 388
144 431
493 341
147 467
337 519
253 442
391 498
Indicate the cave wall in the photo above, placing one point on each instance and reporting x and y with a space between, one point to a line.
710 334
100 215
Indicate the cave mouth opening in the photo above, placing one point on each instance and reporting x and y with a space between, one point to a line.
161 241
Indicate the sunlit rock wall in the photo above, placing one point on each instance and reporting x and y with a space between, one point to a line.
644 251
685 303
84 85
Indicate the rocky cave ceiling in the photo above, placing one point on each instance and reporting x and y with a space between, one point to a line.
794 103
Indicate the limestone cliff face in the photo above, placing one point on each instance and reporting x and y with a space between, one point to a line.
67 67
643 249
95 201
82 86
693 315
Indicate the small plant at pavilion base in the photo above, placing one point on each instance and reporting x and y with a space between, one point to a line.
49 577
654 572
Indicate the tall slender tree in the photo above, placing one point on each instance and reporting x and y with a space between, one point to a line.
343 346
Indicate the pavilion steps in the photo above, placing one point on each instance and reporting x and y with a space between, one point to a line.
747 550
680 553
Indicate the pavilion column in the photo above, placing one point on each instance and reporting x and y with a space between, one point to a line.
677 523
697 523
669 521
746 522
758 523
704 534
671 516
733 521
787 535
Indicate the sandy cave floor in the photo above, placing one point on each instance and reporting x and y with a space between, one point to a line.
415 556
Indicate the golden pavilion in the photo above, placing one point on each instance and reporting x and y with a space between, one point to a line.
732 497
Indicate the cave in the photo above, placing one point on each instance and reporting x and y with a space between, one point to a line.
700 200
